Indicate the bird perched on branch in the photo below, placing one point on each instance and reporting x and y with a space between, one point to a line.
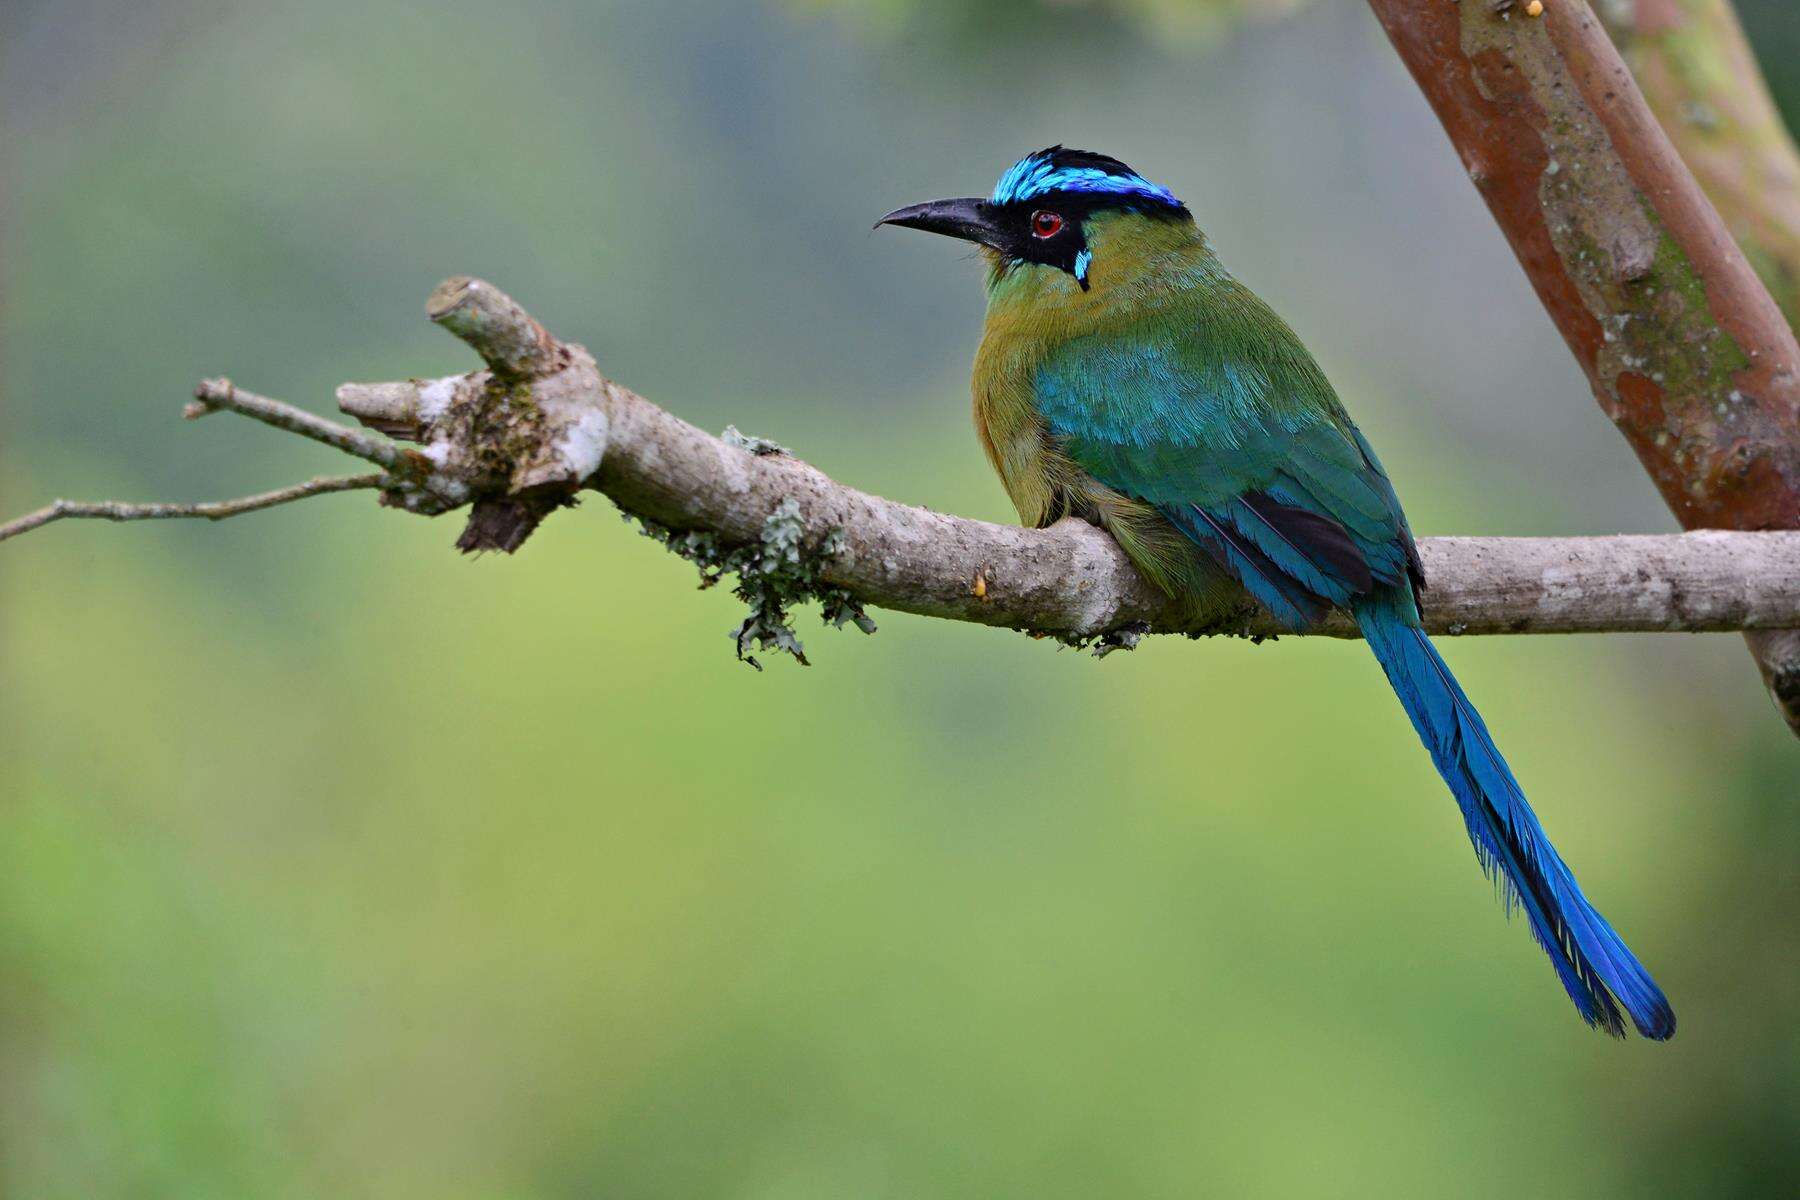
1125 377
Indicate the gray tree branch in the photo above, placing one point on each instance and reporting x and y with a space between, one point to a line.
540 424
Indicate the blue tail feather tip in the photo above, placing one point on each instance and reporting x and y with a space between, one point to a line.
1600 974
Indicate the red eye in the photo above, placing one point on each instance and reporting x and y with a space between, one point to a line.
1045 223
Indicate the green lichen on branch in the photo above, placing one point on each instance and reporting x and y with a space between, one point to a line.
775 573
1659 321
503 425
761 447
1236 622
1126 637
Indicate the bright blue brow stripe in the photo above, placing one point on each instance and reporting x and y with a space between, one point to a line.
1033 176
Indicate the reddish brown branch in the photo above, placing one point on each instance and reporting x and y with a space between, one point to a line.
1684 347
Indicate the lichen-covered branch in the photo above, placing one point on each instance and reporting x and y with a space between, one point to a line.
1072 581
1684 348
1701 79
517 440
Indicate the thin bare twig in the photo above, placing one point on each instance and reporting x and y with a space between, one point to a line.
215 394
210 510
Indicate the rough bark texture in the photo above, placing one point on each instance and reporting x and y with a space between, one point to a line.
1701 79
1684 347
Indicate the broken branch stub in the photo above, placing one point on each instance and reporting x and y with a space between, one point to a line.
495 326
515 441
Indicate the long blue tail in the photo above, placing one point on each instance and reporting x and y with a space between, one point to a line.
1599 972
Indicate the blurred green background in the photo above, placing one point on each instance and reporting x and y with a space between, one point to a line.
332 863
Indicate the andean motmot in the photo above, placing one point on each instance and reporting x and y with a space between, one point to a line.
1126 378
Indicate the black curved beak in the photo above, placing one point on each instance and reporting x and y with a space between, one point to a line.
970 218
